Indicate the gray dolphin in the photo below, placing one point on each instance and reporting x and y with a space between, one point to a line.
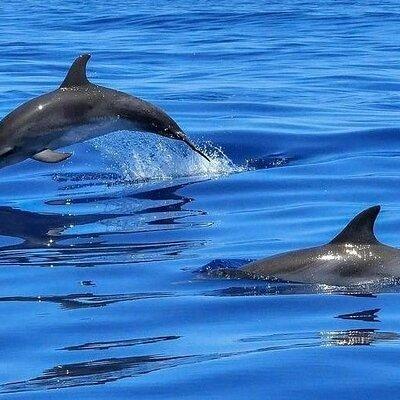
354 256
77 111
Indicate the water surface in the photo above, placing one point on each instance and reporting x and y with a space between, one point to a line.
297 102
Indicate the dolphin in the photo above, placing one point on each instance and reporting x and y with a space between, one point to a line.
77 111
353 257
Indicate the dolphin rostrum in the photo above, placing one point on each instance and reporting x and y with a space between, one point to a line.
77 111
354 256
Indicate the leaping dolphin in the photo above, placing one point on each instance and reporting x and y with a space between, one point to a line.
77 111
353 257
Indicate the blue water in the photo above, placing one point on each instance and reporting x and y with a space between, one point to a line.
298 104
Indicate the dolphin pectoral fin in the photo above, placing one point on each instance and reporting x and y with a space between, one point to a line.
55 231
6 150
51 156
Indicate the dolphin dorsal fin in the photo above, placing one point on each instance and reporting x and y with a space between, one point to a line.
77 73
360 230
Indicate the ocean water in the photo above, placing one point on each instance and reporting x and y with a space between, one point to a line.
297 103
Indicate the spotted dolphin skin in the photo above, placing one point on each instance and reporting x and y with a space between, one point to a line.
77 111
353 257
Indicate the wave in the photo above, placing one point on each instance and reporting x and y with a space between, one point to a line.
143 157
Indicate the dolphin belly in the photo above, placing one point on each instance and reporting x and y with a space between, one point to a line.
80 133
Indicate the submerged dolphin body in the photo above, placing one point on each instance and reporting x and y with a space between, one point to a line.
354 256
77 111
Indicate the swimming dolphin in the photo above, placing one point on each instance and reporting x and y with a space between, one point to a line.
354 256
78 110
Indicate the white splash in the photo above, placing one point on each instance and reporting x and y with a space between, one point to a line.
142 157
